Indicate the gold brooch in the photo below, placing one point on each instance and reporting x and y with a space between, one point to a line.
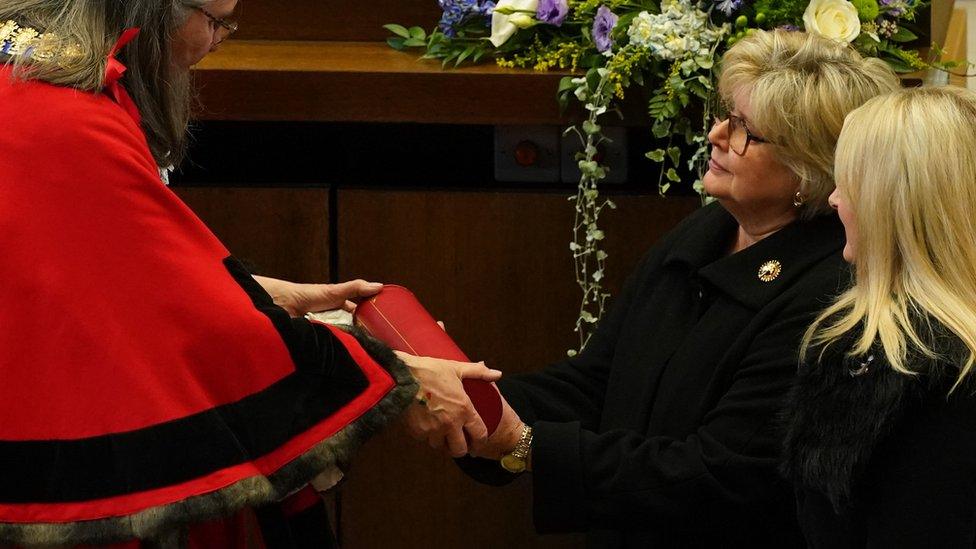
770 270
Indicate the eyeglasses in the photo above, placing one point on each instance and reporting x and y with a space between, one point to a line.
223 29
739 134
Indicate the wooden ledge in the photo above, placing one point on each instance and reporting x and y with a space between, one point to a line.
366 82
358 57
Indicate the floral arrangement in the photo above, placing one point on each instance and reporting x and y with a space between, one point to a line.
667 51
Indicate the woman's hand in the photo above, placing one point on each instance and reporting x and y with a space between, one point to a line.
504 439
443 413
299 299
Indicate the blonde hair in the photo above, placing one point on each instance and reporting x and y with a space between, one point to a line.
906 163
89 29
800 87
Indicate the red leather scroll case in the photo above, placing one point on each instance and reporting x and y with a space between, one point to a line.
396 317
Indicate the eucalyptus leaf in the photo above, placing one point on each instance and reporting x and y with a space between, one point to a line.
657 155
705 62
661 128
674 153
566 83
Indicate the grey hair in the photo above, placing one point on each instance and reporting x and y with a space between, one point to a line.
89 29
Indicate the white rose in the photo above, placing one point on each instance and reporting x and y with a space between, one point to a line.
834 19
502 26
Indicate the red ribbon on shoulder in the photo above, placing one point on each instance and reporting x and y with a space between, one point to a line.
114 71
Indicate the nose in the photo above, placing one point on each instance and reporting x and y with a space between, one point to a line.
832 199
718 136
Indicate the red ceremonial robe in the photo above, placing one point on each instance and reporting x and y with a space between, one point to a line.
146 380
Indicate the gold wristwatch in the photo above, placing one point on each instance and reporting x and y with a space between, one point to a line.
516 461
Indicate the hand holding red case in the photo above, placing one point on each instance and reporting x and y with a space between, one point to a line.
396 317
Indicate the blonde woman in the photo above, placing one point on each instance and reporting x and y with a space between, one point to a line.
882 429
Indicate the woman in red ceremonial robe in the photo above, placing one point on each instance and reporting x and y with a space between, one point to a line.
153 392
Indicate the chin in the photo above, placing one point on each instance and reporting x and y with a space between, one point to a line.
848 254
712 185
186 60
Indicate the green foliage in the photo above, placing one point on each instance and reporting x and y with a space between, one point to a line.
903 35
778 12
867 10
414 37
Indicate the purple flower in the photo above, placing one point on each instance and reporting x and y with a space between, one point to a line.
896 8
602 25
728 6
789 28
552 12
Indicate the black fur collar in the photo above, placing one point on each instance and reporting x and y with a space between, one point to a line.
839 410
842 407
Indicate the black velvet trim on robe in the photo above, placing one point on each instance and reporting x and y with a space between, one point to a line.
325 380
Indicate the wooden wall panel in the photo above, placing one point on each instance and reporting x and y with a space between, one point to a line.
281 232
332 19
496 268
367 82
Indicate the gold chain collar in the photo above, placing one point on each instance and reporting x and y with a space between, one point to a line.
17 40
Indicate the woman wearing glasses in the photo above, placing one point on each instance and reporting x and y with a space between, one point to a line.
151 388
882 427
662 432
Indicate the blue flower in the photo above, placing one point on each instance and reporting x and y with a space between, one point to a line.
458 12
486 10
602 25
552 12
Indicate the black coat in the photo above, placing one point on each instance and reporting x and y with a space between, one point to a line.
663 432
883 459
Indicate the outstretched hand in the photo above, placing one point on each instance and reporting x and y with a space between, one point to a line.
443 414
299 299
